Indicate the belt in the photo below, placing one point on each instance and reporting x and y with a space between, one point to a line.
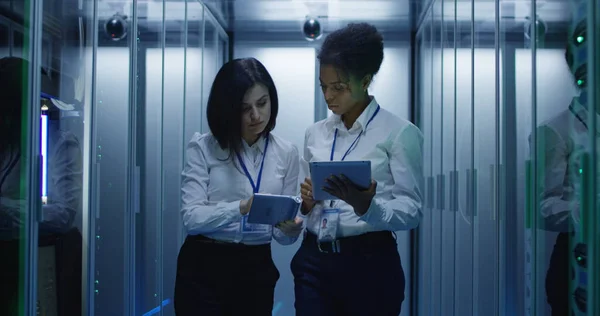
205 240
363 243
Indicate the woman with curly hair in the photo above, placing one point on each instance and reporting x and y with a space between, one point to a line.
358 270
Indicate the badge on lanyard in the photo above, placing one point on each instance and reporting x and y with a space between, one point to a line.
328 224
246 227
330 218
355 140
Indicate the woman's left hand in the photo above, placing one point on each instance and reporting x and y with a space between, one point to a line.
342 188
291 228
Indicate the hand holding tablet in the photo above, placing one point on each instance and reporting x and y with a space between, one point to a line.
328 176
306 193
357 197
291 228
349 181
268 209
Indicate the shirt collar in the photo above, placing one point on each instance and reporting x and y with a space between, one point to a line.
335 121
258 145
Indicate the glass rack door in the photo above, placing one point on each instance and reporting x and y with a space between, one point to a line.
21 160
561 207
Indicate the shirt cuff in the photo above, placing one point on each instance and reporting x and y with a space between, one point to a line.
302 216
234 210
373 214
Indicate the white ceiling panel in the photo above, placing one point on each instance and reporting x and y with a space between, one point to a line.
549 11
268 10
288 15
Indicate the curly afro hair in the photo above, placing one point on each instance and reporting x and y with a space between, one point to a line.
355 50
569 57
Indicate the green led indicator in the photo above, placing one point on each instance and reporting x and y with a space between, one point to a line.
580 171
579 258
96 282
580 39
580 82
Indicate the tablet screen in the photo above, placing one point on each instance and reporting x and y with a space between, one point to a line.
359 172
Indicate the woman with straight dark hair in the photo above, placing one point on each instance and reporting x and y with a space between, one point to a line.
225 266
58 232
348 263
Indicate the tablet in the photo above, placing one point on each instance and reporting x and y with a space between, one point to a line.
359 172
272 209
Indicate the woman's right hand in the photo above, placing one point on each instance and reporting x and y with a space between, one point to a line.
245 205
307 198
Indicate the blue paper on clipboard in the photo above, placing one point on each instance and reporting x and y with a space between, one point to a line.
272 209
359 172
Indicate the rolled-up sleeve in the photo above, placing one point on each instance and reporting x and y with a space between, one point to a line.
66 172
199 215
557 207
403 210
290 187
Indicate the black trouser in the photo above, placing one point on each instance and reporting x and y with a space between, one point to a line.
215 278
557 277
67 248
364 278
10 265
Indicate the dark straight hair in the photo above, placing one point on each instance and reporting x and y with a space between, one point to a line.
13 76
224 109
13 72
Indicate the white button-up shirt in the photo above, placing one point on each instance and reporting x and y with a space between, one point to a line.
395 148
561 142
65 167
213 185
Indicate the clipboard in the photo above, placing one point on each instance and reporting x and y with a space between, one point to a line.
359 172
270 209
